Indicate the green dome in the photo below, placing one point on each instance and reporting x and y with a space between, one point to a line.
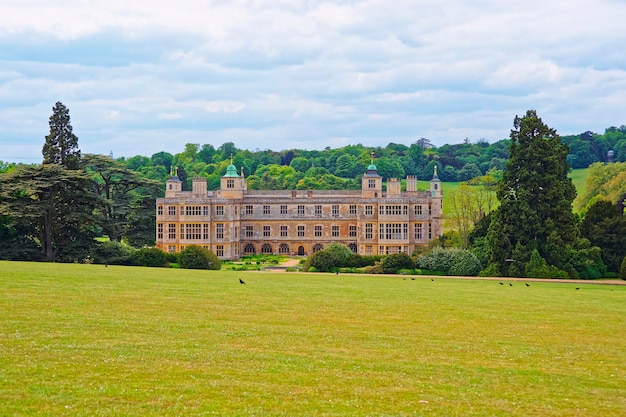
231 171
372 167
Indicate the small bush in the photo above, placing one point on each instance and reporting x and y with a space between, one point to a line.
392 263
197 257
622 271
111 252
149 257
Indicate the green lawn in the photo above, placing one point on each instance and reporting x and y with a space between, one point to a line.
121 341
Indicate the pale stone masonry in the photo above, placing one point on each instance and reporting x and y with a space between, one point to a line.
234 221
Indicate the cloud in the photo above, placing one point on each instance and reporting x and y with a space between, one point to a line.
280 74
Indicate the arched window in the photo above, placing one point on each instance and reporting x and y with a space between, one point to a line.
318 247
283 248
249 248
353 247
266 248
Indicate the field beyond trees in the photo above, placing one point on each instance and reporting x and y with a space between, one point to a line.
124 341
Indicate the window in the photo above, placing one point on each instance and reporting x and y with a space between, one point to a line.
283 209
369 210
219 210
193 210
393 210
283 231
230 183
318 211
249 209
171 210
283 248
335 231
418 231
300 231
266 248
352 209
352 230
205 210
335 210
266 209
267 231
171 248
371 183
318 231
369 231
219 251
193 231
393 231
318 247
249 248
205 231
171 231
236 232
159 210
219 231
249 231
353 247
368 250
418 210
430 210
160 231
300 210
430 231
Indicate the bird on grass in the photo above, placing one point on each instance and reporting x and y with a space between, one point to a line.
510 285
501 283
241 281
577 288
432 279
412 279
527 284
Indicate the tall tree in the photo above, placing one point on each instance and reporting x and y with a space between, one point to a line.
129 200
605 226
52 207
61 145
536 198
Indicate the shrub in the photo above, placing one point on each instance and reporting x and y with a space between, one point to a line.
149 257
622 271
330 258
197 257
451 261
537 267
112 252
392 263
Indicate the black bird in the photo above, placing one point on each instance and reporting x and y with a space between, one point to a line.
501 283
527 284
412 279
510 285
577 288
432 279
241 281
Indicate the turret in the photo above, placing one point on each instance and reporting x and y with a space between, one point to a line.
173 185
372 183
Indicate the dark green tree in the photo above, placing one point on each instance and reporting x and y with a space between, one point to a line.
536 198
53 207
605 226
129 200
61 145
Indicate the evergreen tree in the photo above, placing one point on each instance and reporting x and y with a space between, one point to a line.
536 201
61 145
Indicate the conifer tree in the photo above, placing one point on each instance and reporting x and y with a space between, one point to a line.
61 145
536 198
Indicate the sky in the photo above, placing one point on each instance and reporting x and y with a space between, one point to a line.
145 76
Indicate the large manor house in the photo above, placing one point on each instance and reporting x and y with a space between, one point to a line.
234 221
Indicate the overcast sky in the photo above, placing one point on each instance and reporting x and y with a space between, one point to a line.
140 77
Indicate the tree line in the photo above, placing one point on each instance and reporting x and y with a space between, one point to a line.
55 210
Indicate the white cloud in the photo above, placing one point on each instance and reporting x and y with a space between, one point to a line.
280 73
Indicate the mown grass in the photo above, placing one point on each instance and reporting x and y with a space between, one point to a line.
122 341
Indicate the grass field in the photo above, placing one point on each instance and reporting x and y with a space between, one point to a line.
81 340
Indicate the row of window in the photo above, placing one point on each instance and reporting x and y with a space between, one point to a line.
389 210
200 231
284 248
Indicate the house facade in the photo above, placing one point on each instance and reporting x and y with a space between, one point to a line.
234 221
